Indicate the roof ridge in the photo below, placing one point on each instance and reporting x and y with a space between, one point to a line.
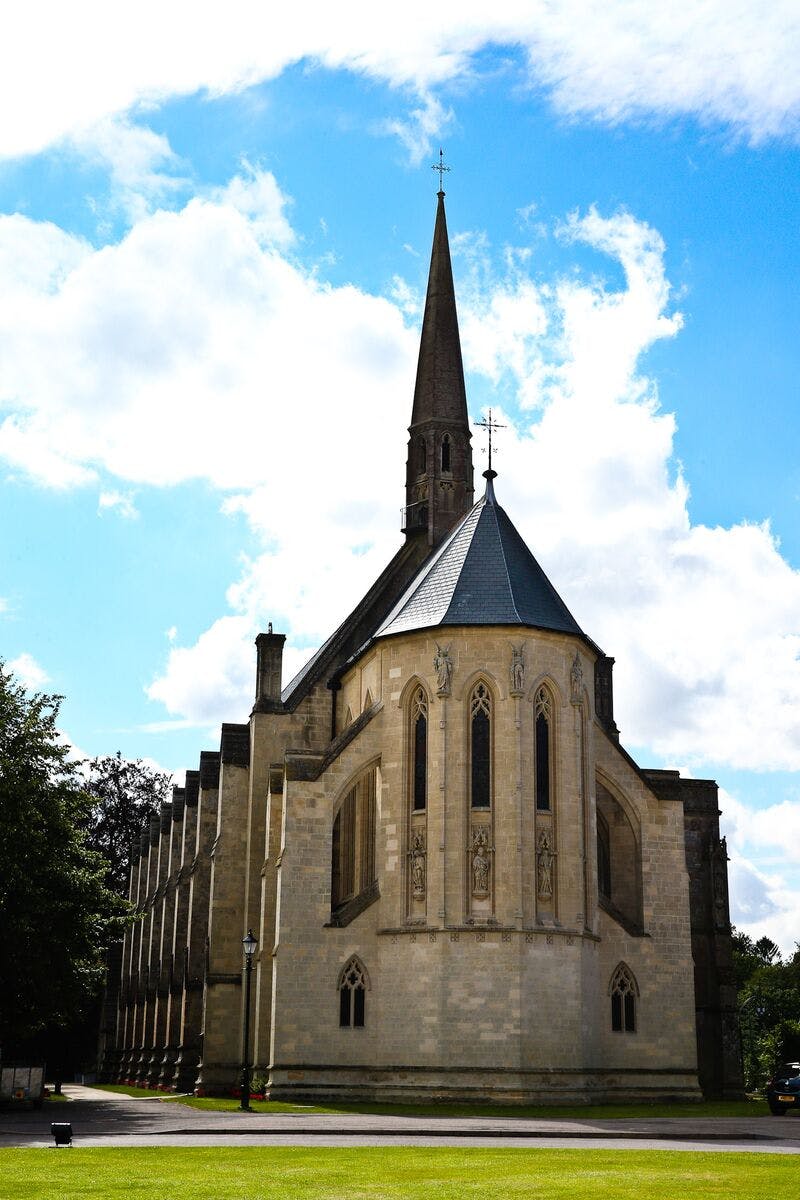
494 508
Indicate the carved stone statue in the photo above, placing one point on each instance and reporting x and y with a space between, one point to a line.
480 862
576 680
517 670
544 865
418 856
443 666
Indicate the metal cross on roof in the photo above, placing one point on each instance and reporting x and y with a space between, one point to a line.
441 168
490 425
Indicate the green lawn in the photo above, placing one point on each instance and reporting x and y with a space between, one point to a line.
374 1173
605 1112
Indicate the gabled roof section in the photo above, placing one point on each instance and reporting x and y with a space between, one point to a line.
483 574
439 391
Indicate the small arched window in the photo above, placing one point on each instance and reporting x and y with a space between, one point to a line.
422 456
543 715
446 453
352 995
624 990
419 749
481 746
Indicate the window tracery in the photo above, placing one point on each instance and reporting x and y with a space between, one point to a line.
480 746
543 713
352 995
624 990
419 741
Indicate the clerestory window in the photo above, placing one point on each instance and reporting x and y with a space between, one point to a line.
419 743
353 843
481 747
543 715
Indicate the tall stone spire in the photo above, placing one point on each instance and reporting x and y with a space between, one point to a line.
439 487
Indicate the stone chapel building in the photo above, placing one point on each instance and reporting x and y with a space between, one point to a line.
461 884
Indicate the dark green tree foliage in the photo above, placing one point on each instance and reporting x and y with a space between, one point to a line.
56 914
125 795
769 1005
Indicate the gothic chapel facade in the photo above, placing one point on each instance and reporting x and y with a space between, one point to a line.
461 884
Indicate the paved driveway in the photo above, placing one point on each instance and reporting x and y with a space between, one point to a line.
106 1119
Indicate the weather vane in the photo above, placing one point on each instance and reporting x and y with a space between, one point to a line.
490 425
441 168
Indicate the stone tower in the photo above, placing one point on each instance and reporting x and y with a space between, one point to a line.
439 467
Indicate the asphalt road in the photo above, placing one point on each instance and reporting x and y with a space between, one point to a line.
105 1119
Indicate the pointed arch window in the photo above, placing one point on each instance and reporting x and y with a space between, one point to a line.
352 995
419 750
481 747
446 448
543 716
422 456
353 843
624 991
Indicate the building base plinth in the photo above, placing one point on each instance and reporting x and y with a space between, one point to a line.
468 1085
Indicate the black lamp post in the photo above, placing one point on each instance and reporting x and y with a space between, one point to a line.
249 944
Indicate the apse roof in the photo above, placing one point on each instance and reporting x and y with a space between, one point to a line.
483 574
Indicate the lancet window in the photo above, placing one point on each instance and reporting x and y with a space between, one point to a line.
623 990
446 448
353 842
419 750
481 746
543 718
352 995
422 456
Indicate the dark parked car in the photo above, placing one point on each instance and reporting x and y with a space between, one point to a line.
783 1090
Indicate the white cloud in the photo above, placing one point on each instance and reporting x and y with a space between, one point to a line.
724 61
120 502
764 868
421 128
255 194
210 678
141 164
28 671
195 348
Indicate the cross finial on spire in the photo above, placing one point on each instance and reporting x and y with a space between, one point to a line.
490 425
441 168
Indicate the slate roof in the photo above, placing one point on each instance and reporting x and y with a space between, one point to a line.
483 574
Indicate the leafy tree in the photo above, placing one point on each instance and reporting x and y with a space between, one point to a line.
769 1005
124 795
56 913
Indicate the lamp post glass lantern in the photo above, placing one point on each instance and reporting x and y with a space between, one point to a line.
249 944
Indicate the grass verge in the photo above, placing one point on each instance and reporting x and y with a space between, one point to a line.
594 1112
385 1173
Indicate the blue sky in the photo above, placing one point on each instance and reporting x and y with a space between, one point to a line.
213 250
